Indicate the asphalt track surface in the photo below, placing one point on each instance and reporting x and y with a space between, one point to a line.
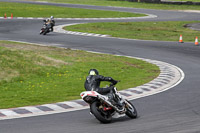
174 111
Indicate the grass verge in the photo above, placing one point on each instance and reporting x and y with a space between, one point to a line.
162 31
32 10
127 4
32 75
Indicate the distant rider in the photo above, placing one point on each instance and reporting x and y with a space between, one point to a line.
93 81
51 22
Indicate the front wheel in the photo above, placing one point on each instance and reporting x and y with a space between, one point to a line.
41 32
44 33
131 110
99 113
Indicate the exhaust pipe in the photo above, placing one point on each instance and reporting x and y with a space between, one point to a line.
110 104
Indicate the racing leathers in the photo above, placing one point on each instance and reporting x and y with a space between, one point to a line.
51 22
92 83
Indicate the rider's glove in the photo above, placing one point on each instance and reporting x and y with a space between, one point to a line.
114 82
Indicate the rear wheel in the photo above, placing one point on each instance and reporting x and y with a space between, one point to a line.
131 110
99 113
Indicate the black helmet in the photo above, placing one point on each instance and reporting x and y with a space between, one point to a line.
93 72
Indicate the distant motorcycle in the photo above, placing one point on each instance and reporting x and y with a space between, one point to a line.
45 29
103 109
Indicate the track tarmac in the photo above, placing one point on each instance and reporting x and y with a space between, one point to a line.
174 111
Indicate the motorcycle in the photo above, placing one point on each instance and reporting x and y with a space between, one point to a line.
103 109
45 29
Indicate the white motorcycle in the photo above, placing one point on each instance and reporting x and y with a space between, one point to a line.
104 110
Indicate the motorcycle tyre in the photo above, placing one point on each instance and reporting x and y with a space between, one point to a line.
41 31
131 113
44 33
98 115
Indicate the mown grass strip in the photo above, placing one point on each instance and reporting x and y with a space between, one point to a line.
32 10
162 31
32 75
128 4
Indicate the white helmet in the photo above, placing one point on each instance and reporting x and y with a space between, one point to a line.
52 17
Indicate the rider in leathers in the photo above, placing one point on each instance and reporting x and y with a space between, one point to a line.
93 81
51 22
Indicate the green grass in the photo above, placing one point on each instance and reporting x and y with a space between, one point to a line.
32 10
162 31
127 4
32 75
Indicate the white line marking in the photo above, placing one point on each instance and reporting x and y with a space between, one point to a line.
72 104
8 112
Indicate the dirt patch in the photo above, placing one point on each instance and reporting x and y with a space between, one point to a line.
48 61
8 74
133 65
27 47
193 26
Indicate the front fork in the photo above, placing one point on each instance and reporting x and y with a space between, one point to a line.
128 105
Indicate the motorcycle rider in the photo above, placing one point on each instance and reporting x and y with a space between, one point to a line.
51 22
93 81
